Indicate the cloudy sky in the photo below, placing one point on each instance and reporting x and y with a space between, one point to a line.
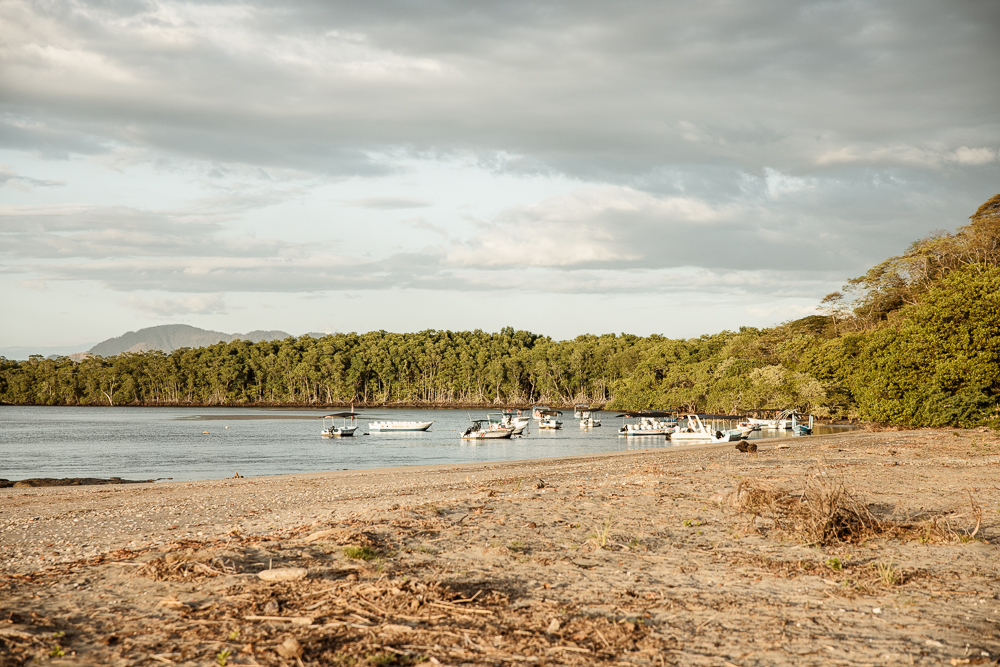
563 167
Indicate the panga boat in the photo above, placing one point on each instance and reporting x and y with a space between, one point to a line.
781 422
331 430
483 429
536 412
801 429
510 420
651 422
691 428
590 421
399 426
549 421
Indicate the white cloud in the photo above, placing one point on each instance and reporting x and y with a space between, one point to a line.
198 304
388 203
973 156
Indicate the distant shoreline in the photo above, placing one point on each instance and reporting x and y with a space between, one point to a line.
372 406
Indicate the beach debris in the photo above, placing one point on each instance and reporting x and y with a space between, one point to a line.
272 607
294 620
290 648
395 627
237 476
324 534
183 566
283 574
540 484
747 447
172 603
553 627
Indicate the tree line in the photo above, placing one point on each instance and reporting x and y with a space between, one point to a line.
915 342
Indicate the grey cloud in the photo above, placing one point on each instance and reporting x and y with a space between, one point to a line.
817 135
837 222
425 272
10 177
100 232
584 88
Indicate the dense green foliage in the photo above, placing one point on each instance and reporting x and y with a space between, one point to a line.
917 344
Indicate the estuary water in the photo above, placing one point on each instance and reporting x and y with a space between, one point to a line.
211 443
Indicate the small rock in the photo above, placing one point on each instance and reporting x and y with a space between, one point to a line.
272 607
283 574
553 627
290 648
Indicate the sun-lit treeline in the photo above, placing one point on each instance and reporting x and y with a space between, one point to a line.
915 342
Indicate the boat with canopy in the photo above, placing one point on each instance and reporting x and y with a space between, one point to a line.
331 430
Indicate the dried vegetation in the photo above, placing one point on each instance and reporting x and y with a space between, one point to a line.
827 512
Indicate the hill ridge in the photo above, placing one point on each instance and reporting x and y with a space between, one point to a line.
170 337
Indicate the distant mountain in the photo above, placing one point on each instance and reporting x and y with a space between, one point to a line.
170 337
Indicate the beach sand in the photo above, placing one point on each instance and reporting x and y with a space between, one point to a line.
684 555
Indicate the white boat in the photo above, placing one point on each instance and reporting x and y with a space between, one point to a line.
399 426
581 411
514 421
331 430
650 422
691 428
536 412
590 421
548 420
781 421
482 429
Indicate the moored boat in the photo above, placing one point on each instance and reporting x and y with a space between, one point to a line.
548 420
331 430
650 422
482 429
799 428
590 421
399 426
692 428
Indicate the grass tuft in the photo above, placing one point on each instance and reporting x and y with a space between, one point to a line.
360 553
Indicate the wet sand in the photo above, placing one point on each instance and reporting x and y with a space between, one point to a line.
638 557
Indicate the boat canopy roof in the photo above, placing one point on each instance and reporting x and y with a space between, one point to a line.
341 414
702 415
550 413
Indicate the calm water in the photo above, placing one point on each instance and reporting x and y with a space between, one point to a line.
145 443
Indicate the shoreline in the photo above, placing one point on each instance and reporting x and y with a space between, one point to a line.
634 556
389 406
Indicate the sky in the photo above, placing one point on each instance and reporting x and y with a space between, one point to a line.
578 167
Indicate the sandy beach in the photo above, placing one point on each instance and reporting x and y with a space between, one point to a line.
696 555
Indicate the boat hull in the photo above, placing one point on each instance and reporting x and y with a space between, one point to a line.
487 435
339 432
399 426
